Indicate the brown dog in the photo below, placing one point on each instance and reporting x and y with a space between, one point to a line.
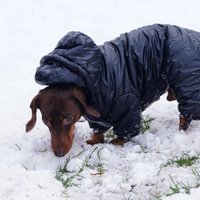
61 108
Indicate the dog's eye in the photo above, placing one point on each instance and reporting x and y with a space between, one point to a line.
47 122
68 120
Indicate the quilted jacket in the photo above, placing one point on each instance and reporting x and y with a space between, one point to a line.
124 76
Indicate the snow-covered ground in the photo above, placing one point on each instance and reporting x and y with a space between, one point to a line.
142 169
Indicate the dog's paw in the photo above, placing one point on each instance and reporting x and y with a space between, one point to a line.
96 139
184 123
171 96
118 141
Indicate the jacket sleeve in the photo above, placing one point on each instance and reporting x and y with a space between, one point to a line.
126 116
98 127
184 70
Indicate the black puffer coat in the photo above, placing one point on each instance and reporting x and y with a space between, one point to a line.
122 77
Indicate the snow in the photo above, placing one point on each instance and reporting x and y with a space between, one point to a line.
29 30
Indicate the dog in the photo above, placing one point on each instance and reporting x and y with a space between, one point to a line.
61 107
111 84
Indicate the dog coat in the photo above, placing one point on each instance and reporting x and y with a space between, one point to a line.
124 76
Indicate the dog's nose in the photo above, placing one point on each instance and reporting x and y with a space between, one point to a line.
60 151
59 154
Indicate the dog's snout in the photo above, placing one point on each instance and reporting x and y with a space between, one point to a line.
61 142
60 150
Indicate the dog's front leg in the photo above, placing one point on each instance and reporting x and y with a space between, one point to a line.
96 138
118 141
170 95
184 123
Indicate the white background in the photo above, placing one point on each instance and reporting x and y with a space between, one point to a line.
29 30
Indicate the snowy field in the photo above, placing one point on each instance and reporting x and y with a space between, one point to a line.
155 165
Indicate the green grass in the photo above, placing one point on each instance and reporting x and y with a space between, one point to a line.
184 161
197 175
178 187
110 134
100 166
68 178
145 124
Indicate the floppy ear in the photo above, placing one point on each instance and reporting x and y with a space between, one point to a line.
80 96
34 105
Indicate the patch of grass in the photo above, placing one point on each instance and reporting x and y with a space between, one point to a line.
178 187
197 175
158 197
145 125
184 161
110 134
66 176
99 167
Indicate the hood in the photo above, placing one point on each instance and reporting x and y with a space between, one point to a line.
71 62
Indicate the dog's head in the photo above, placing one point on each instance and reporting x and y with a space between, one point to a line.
61 108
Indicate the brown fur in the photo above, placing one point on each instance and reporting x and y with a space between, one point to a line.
61 108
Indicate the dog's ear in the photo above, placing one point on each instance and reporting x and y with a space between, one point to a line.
34 105
80 96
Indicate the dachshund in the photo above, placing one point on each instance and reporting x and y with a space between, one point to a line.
62 107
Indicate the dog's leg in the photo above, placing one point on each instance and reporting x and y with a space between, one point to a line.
96 139
171 96
118 141
184 123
